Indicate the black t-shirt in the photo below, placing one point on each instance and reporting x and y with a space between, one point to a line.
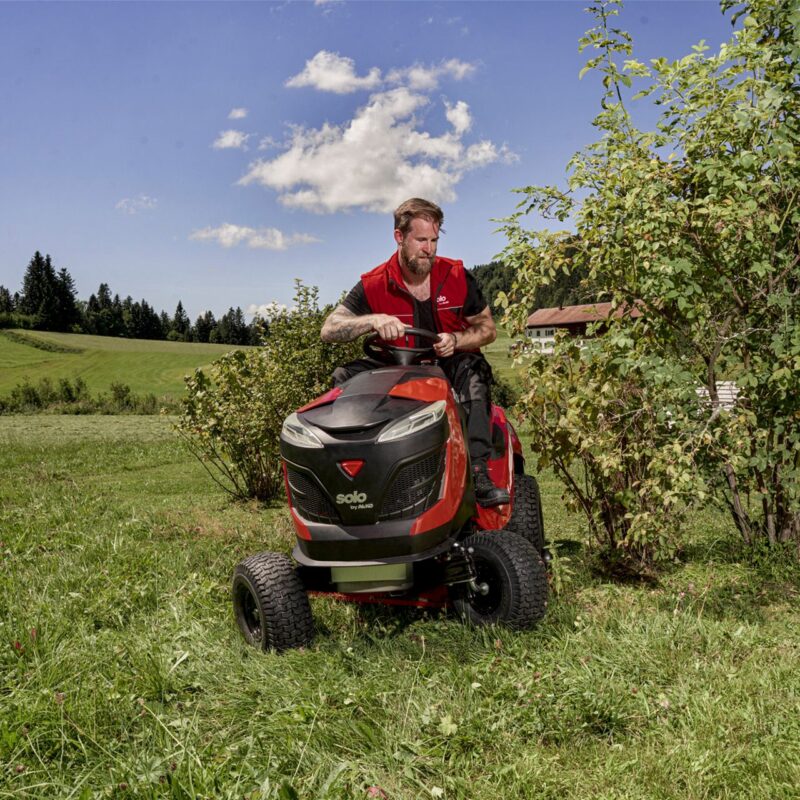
474 303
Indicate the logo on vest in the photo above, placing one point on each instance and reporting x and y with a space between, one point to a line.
441 299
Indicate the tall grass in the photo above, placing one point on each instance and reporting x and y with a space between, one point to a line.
122 674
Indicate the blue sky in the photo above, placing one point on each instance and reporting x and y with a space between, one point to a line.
214 152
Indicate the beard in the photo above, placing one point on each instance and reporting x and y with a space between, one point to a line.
416 265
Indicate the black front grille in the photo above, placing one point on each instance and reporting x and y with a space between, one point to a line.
415 488
309 499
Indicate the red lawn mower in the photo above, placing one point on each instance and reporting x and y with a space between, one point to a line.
380 491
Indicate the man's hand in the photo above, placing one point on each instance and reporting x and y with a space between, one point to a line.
446 345
387 326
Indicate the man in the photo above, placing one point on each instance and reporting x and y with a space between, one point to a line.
416 288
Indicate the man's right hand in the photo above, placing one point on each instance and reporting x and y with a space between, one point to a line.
388 327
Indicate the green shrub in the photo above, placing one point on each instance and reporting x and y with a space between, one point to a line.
694 221
72 397
607 426
233 414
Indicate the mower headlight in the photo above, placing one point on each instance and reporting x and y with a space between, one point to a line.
417 421
299 434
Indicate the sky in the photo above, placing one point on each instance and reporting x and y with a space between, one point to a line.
214 152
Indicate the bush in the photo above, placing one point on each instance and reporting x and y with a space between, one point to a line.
72 397
233 414
12 319
607 426
696 222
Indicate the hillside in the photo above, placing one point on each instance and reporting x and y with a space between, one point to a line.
143 364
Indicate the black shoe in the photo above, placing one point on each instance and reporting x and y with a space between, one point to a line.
486 493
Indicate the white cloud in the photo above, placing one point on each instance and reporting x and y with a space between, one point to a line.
134 205
330 72
229 235
231 140
265 310
425 78
376 160
459 117
268 143
237 113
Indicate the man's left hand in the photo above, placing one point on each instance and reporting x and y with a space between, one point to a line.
446 345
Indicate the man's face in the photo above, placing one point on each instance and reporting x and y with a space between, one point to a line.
418 246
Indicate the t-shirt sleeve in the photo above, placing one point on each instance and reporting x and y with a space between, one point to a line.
356 300
475 301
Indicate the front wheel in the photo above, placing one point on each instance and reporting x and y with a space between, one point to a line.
510 585
270 603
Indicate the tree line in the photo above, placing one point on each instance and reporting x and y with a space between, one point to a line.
564 289
48 301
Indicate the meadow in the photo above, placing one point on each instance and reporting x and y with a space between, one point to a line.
146 365
123 675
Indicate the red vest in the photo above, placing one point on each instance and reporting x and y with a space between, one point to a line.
387 294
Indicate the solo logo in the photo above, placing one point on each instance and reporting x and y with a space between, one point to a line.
353 497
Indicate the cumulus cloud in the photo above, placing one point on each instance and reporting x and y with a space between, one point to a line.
376 160
237 113
231 140
330 72
229 235
266 310
134 205
459 117
424 78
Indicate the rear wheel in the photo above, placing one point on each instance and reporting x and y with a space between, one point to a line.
510 583
270 603
526 515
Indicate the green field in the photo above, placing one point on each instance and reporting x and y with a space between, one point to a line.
144 365
122 674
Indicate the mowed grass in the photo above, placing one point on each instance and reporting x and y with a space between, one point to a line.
122 674
144 365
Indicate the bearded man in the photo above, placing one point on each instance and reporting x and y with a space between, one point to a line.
416 288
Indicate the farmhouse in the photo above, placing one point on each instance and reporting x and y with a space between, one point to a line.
542 324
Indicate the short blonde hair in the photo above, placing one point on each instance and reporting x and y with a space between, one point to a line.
414 208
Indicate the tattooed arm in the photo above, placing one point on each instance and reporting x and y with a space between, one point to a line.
342 325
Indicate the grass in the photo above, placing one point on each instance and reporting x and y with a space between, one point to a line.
147 366
122 674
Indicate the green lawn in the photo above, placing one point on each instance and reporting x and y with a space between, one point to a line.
145 365
122 674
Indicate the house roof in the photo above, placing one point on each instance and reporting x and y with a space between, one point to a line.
569 315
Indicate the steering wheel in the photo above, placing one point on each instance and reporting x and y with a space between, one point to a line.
375 347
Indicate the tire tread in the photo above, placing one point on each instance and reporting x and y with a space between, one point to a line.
285 611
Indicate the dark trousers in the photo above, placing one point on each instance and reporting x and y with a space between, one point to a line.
470 375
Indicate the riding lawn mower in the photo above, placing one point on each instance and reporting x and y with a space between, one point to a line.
379 485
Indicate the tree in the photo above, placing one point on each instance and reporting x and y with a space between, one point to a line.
232 328
180 327
38 289
6 300
49 296
203 327
67 313
697 221
566 288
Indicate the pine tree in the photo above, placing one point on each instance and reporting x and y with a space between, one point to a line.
181 326
67 313
38 290
203 327
6 301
